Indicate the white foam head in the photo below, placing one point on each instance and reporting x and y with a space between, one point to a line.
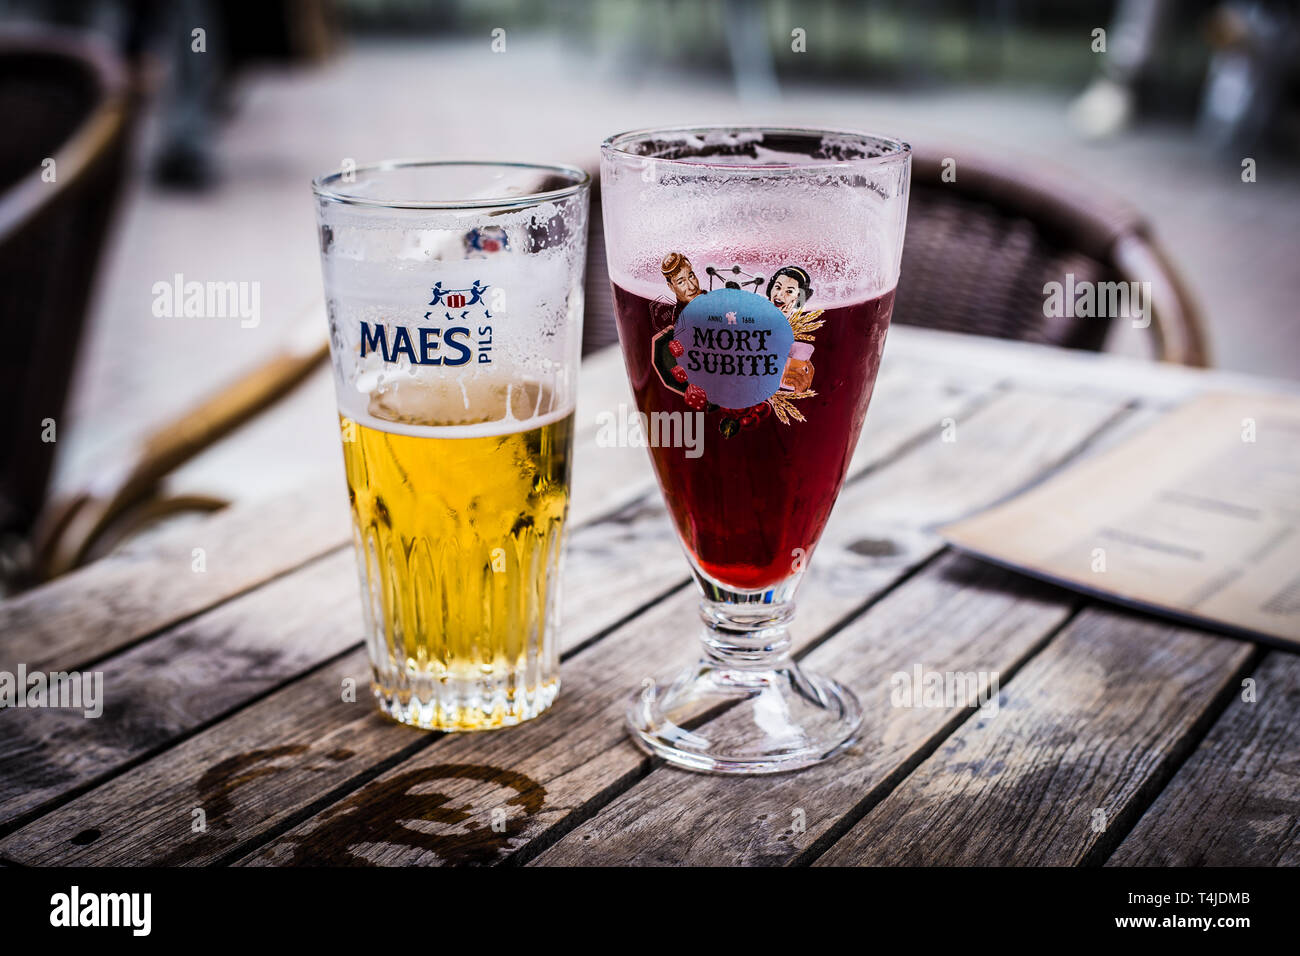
497 293
831 203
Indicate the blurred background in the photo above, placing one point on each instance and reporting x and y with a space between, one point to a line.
1152 141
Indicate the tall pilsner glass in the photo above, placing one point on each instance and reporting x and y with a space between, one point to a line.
753 274
454 293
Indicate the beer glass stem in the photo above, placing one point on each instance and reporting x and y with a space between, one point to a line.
744 706
747 637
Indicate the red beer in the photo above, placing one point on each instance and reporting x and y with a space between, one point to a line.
752 507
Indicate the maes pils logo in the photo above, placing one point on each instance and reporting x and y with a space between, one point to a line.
456 330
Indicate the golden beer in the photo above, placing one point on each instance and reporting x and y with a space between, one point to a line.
459 494
453 294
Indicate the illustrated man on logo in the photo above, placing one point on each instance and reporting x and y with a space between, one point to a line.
680 277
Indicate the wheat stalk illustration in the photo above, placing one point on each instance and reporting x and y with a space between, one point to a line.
783 406
804 324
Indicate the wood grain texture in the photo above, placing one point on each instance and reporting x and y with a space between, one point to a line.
196 672
163 685
614 567
1236 801
148 814
116 601
666 797
192 674
1025 365
1085 735
147 587
578 756
958 616
226 698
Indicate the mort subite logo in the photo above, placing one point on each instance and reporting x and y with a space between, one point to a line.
458 330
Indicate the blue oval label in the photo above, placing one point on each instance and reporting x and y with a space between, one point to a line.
736 345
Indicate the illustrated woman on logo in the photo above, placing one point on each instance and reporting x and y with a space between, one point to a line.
789 288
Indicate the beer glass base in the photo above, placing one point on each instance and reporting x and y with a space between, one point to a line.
463 712
767 720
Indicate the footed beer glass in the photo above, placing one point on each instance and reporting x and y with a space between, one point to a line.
753 274
454 294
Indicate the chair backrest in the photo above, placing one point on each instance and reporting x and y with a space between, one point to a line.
984 238
598 326
64 103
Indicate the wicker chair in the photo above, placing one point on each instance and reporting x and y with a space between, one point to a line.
979 251
65 100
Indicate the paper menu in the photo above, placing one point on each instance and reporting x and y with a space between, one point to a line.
1198 516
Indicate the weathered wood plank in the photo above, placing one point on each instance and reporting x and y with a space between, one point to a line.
122 598
614 566
977 358
578 756
151 811
1085 736
630 559
731 836
192 674
1236 801
144 589
956 617
200 670
141 714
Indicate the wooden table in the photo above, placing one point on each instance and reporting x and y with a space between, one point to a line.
227 648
